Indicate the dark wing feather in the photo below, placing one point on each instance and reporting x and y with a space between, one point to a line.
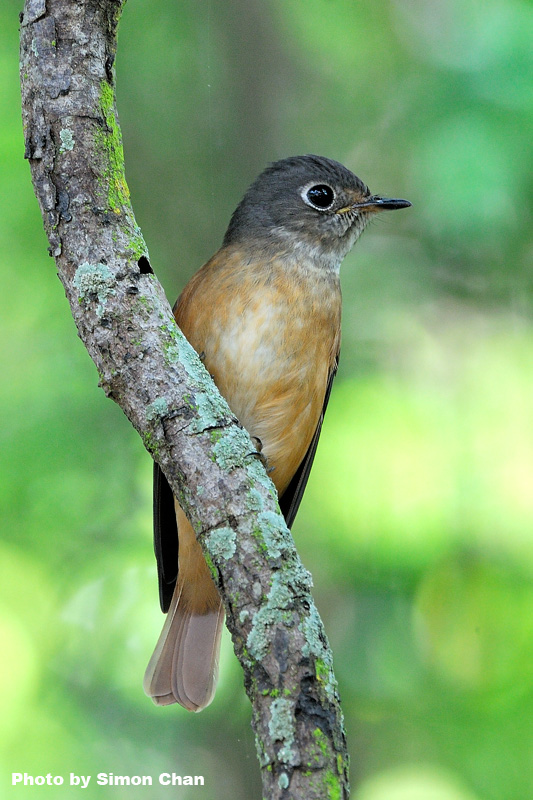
165 538
292 496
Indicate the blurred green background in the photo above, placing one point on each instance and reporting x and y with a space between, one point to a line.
417 523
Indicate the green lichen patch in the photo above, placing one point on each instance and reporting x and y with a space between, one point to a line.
156 409
283 781
255 500
274 531
258 536
150 443
279 601
171 345
261 755
67 140
340 764
281 727
178 349
136 243
228 450
322 671
316 645
258 473
221 543
332 785
321 741
109 140
94 280
211 411
212 569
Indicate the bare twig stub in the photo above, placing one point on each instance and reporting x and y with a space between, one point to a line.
73 144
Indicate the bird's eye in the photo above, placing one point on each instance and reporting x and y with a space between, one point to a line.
320 196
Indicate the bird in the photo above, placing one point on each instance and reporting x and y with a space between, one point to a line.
264 314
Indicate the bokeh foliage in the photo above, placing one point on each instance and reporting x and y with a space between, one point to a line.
417 523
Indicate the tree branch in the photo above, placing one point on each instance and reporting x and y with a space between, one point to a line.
73 143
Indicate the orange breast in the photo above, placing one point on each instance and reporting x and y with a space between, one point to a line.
269 334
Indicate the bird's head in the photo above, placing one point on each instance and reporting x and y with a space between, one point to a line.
308 205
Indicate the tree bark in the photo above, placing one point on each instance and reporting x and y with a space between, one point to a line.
73 143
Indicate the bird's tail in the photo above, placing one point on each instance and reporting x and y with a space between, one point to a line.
184 666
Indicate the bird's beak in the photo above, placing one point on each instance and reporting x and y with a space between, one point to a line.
376 203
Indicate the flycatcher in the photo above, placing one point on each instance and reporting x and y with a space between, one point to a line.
264 313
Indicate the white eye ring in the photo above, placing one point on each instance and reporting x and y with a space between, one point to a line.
319 196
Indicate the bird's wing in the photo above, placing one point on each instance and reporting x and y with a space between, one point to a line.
291 498
165 538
